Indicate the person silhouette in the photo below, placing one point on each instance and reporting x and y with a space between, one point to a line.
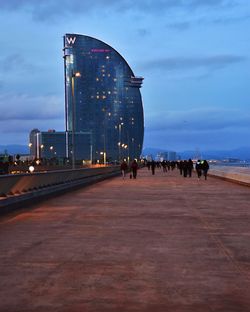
134 168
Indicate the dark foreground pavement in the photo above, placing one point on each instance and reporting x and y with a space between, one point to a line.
158 243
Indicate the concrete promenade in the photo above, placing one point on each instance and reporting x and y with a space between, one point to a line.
158 243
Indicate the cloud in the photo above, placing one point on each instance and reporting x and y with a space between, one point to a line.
17 132
203 127
22 113
198 120
202 140
180 26
25 108
143 32
14 62
211 3
10 128
204 21
230 19
49 9
190 63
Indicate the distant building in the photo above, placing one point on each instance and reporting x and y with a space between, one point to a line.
103 106
149 157
169 156
53 144
34 142
48 144
231 160
102 97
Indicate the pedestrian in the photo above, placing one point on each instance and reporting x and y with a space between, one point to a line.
172 164
124 168
153 167
134 168
185 168
168 165
205 168
181 167
198 168
164 166
190 167
148 164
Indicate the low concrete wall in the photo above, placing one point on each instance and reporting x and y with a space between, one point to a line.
240 175
25 189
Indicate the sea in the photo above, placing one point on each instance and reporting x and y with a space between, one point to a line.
242 164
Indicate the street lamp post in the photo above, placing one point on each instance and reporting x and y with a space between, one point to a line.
120 132
125 147
41 149
105 134
51 151
104 157
73 75
91 148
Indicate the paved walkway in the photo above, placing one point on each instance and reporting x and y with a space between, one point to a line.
158 243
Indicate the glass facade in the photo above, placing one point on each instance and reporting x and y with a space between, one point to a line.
54 144
33 139
102 96
82 145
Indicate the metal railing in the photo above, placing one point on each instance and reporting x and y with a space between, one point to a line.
30 182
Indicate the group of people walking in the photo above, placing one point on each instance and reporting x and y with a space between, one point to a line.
186 167
202 167
133 169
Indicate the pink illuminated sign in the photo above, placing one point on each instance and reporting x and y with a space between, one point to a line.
100 50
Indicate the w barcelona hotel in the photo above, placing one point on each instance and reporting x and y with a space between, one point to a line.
103 104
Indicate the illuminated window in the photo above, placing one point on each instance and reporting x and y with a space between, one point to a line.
70 59
97 96
97 79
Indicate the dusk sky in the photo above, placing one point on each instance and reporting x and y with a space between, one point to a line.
193 54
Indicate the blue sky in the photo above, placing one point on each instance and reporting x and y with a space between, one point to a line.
193 54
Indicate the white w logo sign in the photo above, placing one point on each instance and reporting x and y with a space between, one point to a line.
71 40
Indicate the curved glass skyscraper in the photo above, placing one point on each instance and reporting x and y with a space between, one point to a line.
102 96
